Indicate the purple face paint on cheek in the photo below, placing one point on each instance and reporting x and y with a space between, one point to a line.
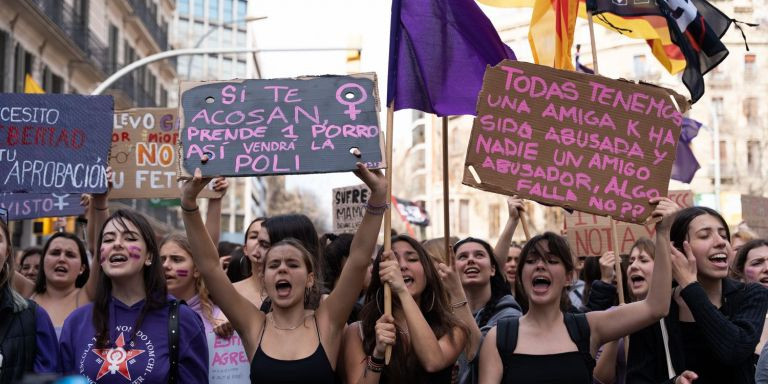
134 252
182 273
102 253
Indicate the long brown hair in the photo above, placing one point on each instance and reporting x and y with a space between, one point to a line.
154 278
434 307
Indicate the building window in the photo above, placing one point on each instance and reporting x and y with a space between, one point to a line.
417 134
163 97
24 64
494 211
213 10
242 9
753 155
751 110
182 6
463 216
228 11
717 104
114 43
51 82
81 13
639 65
750 62
3 59
723 151
199 10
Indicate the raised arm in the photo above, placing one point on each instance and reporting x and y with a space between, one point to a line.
514 205
460 307
610 325
244 316
336 308
213 216
98 213
434 354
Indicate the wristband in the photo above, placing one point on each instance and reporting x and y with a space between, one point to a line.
374 367
190 210
377 360
459 304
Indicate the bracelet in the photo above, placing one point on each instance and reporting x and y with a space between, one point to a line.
377 360
459 304
373 366
100 209
190 210
376 209
383 205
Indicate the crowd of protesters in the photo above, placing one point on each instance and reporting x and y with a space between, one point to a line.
295 307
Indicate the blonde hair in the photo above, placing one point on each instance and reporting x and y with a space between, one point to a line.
202 291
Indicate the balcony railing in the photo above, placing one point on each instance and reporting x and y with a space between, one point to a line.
75 26
149 18
130 86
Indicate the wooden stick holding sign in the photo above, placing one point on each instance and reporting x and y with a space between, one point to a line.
388 218
446 210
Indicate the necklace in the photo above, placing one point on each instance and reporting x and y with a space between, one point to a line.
274 324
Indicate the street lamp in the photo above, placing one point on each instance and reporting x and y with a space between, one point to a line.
210 31
198 51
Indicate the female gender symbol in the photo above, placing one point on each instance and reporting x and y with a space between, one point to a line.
352 111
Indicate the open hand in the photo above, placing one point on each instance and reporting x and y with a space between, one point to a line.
683 265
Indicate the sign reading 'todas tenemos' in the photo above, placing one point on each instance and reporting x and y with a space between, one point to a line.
574 140
281 126
54 143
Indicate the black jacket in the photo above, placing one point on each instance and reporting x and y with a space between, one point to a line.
720 344
17 339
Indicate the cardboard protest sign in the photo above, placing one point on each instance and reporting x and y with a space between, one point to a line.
144 155
591 235
349 207
281 126
54 143
754 211
23 206
229 363
574 140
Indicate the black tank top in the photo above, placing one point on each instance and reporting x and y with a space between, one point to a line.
314 368
559 368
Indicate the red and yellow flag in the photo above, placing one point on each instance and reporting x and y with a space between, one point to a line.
553 23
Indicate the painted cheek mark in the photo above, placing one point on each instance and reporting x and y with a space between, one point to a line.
134 252
182 273
102 253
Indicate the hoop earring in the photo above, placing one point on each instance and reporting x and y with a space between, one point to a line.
376 299
432 305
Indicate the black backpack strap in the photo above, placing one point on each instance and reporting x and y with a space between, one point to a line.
29 316
578 330
506 340
173 341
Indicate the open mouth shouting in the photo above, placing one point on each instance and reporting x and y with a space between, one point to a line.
541 284
637 281
283 288
60 269
719 260
117 259
408 280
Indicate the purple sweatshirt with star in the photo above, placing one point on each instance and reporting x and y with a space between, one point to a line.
133 357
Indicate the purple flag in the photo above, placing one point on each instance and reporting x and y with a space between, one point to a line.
686 165
438 52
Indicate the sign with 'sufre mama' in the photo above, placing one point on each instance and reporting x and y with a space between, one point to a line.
281 126
144 155
54 143
574 140
349 207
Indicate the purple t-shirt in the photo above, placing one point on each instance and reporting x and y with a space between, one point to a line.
143 357
47 357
